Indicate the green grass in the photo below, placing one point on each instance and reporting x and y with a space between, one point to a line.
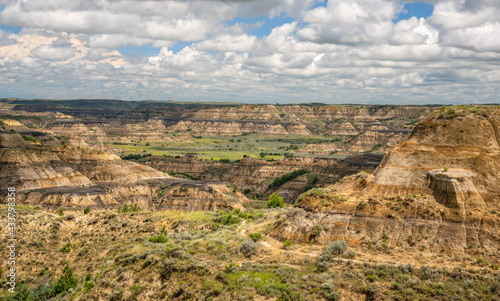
194 216
227 147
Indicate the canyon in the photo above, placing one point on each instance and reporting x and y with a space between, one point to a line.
164 200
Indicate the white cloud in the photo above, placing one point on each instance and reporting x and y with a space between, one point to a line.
228 43
52 53
414 32
464 14
344 51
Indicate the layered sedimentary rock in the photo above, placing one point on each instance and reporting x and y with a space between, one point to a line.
56 176
362 128
441 185
256 175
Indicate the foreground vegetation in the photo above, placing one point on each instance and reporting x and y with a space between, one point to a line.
175 255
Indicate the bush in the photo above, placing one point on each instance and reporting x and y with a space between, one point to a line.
322 265
226 219
275 201
66 282
66 248
329 292
316 231
336 248
87 210
158 239
255 236
61 212
248 248
70 217
287 244
126 208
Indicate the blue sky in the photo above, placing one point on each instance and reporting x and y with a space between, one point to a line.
335 51
262 26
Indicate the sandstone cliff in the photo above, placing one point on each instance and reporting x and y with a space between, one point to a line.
65 176
441 187
359 128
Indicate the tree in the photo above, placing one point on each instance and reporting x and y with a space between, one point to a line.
262 155
275 201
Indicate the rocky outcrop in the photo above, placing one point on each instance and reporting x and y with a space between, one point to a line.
441 184
255 175
11 140
359 128
57 176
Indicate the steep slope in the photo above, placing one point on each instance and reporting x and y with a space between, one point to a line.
442 185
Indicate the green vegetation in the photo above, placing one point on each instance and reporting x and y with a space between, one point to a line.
273 147
66 248
48 291
31 139
158 239
287 177
255 236
134 156
86 210
275 201
126 208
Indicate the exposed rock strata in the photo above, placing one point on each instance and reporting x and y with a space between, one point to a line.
256 174
56 176
441 185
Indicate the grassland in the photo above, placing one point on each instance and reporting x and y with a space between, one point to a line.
200 258
228 147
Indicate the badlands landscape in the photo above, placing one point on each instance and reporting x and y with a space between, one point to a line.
146 200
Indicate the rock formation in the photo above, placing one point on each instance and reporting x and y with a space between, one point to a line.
66 176
255 175
442 185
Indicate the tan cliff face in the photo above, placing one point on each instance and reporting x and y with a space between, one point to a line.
360 128
442 184
57 176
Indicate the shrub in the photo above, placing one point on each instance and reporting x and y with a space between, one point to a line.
248 248
126 208
158 239
255 236
87 210
66 248
322 265
275 201
316 231
88 285
226 219
287 244
66 282
350 254
69 217
61 212
169 267
371 278
336 248
329 292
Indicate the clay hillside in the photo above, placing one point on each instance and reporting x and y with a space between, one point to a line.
439 188
57 176
347 129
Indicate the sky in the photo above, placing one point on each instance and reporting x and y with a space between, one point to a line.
252 51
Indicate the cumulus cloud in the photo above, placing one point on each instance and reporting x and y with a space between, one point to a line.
228 43
52 53
330 51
